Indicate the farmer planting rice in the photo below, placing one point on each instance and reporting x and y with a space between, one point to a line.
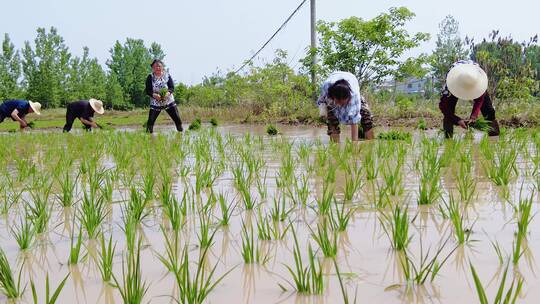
83 110
160 88
340 102
18 109
466 80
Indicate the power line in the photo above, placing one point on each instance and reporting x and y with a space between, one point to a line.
272 37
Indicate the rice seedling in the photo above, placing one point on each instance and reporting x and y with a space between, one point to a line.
133 288
214 122
344 292
226 210
195 125
455 215
481 124
171 258
370 164
503 296
396 227
279 212
251 250
68 185
498 251
174 210
49 299
428 190
194 289
305 279
272 130
324 203
92 214
422 125
8 286
353 183
299 194
393 178
466 183
428 266
24 234
205 235
327 240
523 213
340 218
106 256
39 212
262 189
148 182
501 169
75 248
137 206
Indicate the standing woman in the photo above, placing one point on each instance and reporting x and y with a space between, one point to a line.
156 83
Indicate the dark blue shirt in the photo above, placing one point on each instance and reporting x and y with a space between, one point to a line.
23 106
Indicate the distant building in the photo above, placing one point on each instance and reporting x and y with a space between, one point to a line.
409 86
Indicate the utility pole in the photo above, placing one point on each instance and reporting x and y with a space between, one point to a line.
313 41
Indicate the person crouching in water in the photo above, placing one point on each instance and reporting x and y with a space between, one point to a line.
83 110
341 103
17 110
466 80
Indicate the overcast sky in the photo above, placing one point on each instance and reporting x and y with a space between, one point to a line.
202 36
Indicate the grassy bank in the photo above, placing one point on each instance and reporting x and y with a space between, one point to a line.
510 114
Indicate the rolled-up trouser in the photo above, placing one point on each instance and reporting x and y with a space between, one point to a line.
70 118
154 112
366 121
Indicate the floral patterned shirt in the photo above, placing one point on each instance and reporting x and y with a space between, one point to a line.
350 113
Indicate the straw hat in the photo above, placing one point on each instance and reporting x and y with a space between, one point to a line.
97 105
36 107
467 81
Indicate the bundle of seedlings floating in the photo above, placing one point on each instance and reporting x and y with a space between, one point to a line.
195 125
272 130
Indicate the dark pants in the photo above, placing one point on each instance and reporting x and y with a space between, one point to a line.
450 109
173 113
2 117
366 121
70 118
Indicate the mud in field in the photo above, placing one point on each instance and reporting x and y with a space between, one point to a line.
371 270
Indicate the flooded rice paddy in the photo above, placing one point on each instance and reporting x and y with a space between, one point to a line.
248 218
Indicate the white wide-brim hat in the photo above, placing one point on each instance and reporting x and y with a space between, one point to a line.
97 105
467 81
36 107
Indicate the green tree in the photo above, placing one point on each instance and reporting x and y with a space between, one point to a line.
371 49
45 68
449 49
511 75
86 78
115 95
10 70
130 63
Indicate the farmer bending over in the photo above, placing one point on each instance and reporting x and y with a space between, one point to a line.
467 81
83 110
341 103
17 110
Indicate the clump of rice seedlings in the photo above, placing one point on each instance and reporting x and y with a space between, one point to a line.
148 182
455 215
106 256
49 299
396 227
272 130
92 214
324 203
299 193
327 240
422 125
481 124
353 182
370 164
171 258
501 169
428 266
251 250
8 286
226 210
305 279
503 296
524 214
24 234
340 218
214 122
129 226
174 210
194 289
107 187
344 292
67 185
498 251
39 212
428 190
195 125
380 196
395 135
430 167
466 182
133 288
393 178
75 248
261 187
136 206
205 235
279 211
